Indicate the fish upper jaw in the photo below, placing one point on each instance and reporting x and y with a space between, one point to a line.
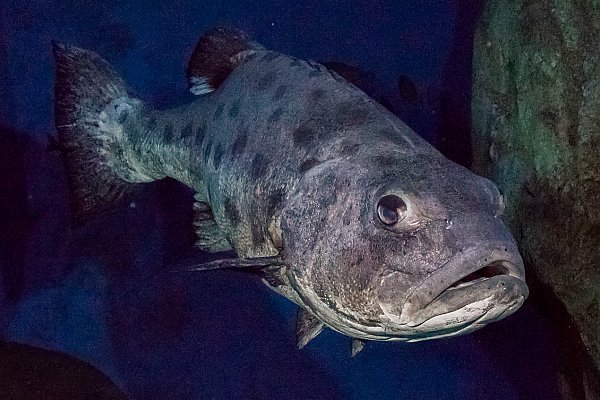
476 286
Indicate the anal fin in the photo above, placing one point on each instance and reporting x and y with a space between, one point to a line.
357 346
209 236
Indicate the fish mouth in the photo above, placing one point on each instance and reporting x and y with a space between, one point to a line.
474 288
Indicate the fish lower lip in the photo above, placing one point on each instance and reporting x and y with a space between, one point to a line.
501 291
466 269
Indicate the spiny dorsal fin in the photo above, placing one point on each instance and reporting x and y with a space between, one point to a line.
308 327
214 58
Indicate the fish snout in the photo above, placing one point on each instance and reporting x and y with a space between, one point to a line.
474 287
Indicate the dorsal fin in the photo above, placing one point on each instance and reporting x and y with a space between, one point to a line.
214 58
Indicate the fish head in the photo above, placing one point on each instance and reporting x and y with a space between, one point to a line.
411 252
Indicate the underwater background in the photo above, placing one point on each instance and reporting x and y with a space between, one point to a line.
104 292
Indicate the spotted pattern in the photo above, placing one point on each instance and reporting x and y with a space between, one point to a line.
351 115
259 166
218 156
168 132
200 134
385 161
276 116
218 111
393 136
280 92
317 95
187 131
275 200
306 134
234 111
207 151
239 145
231 211
349 149
266 80
308 164
151 124
257 234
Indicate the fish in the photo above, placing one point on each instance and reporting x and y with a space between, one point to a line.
319 190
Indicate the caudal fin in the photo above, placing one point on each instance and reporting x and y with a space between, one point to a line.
85 86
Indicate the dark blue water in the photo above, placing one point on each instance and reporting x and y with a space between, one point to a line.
103 292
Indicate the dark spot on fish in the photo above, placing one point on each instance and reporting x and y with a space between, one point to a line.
200 134
304 135
550 118
219 111
280 92
270 56
275 199
308 164
314 72
350 114
239 145
259 166
168 132
276 116
207 151
151 124
257 234
231 211
235 109
266 80
295 62
317 94
218 156
349 149
385 161
392 136
187 131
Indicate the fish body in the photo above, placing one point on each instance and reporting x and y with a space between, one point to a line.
343 208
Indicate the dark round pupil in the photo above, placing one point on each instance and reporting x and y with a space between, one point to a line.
389 209
387 215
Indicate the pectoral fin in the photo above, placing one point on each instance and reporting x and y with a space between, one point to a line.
308 327
257 263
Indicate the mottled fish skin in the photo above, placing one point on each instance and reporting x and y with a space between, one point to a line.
295 161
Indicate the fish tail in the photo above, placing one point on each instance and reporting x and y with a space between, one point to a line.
91 104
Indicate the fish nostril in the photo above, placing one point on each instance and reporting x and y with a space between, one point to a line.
494 269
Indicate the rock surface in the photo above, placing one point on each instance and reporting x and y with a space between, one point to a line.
28 372
536 132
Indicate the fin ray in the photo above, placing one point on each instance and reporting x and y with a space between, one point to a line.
308 327
85 84
215 56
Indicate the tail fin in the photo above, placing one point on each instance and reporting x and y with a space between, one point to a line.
85 86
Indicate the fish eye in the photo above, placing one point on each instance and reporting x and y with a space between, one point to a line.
391 209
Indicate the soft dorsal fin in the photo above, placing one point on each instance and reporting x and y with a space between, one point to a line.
215 56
